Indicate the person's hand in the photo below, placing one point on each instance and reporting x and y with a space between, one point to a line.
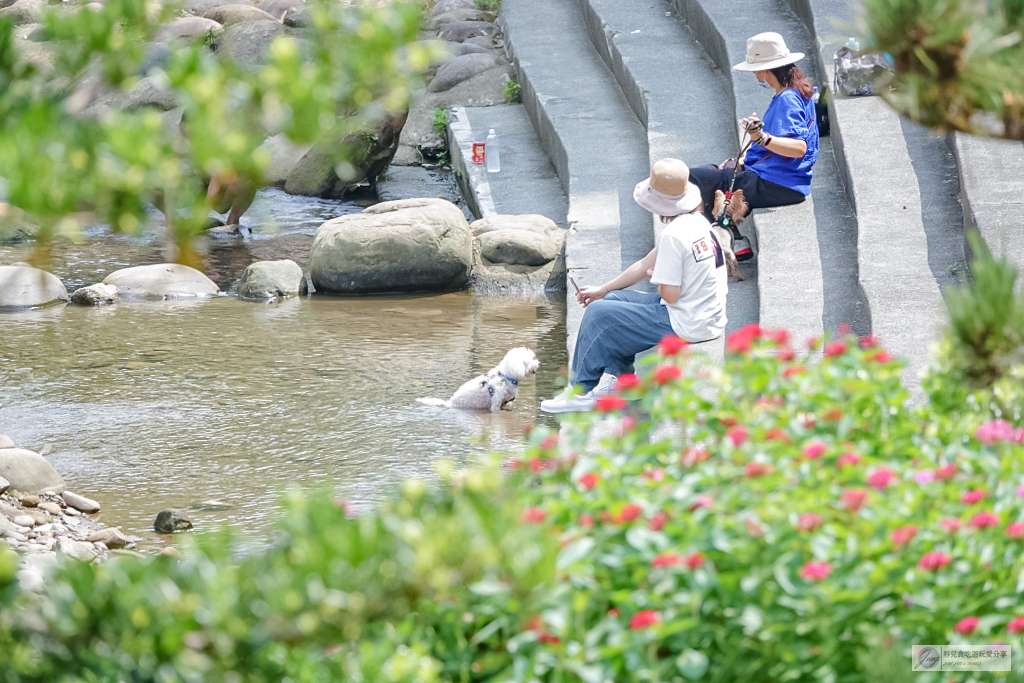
650 272
754 126
588 295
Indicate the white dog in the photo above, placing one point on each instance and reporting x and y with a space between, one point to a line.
498 388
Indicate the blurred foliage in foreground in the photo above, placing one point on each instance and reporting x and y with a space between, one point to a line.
351 67
959 63
785 516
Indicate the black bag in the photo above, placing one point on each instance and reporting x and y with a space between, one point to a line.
860 74
821 111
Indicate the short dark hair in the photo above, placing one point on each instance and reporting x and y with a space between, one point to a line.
790 76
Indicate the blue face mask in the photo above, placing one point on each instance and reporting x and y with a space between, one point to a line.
765 84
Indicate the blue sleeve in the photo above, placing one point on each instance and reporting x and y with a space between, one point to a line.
792 121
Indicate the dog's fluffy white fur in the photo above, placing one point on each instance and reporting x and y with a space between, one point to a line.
498 388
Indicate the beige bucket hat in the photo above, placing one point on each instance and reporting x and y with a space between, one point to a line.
668 192
767 51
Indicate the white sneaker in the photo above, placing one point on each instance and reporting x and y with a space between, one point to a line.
568 402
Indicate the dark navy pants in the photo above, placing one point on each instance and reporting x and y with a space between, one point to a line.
758 193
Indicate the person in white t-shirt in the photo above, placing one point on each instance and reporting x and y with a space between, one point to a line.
688 265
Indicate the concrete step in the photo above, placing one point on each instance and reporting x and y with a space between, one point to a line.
595 141
526 183
992 192
686 109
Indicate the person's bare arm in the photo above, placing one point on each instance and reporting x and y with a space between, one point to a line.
670 293
627 278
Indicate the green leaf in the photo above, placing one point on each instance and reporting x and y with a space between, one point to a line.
574 552
692 664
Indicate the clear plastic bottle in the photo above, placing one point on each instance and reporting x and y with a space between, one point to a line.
853 44
493 160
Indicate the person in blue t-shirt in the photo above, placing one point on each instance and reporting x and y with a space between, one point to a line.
778 166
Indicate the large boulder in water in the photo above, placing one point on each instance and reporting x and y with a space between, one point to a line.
409 245
229 15
28 472
25 287
461 69
246 44
161 281
270 280
187 28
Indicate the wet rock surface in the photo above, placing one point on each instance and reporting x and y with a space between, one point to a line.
270 279
161 281
95 295
171 521
27 287
28 472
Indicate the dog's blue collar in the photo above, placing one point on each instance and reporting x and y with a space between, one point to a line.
508 379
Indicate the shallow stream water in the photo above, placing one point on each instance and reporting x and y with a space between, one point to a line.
148 405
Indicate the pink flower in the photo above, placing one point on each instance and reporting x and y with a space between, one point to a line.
549 442
946 472
881 356
626 381
1020 491
694 560
692 456
742 339
737 435
657 474
814 449
586 520
753 527
995 431
1016 625
924 476
609 403
644 619
785 354
973 496
702 501
847 459
869 342
667 560
952 524
966 625
843 330
670 345
835 348
663 374
1015 530
853 499
903 535
983 520
589 480
628 513
815 571
534 515
780 336
809 521
934 561
776 434
657 521
881 478
757 469
794 370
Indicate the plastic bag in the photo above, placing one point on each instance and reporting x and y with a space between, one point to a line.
860 74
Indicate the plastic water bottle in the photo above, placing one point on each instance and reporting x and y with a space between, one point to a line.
493 160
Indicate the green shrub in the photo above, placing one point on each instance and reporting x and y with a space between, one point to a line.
440 120
489 5
513 92
784 516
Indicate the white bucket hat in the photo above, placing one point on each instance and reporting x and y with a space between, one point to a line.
668 192
767 51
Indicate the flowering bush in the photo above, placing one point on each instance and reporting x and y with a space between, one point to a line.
782 516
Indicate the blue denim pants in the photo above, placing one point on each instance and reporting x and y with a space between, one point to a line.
613 331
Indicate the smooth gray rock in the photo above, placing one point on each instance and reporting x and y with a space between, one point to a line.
300 17
28 472
161 281
402 246
77 550
25 287
229 15
6 441
4 485
270 279
492 42
461 69
281 9
24 11
464 14
459 49
246 44
284 155
200 7
51 508
460 31
95 295
110 537
25 521
518 247
532 222
410 182
80 503
170 521
186 28
444 6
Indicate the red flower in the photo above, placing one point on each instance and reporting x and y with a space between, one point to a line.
757 469
1016 625
973 496
536 464
753 527
1015 530
815 571
701 502
881 478
983 520
809 521
785 354
586 520
694 560
966 625
728 420
548 639
776 434
995 431
847 459
534 515
904 535
663 374
812 342
794 370
737 435
515 463
843 329
853 499
657 521
814 449
628 513
626 381
692 456
934 561
952 524
670 345
657 474
667 560
869 342
780 336
643 619
836 348
742 339
609 403
881 356
589 480
613 613
549 442
945 473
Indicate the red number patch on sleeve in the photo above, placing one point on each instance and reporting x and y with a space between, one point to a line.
703 249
